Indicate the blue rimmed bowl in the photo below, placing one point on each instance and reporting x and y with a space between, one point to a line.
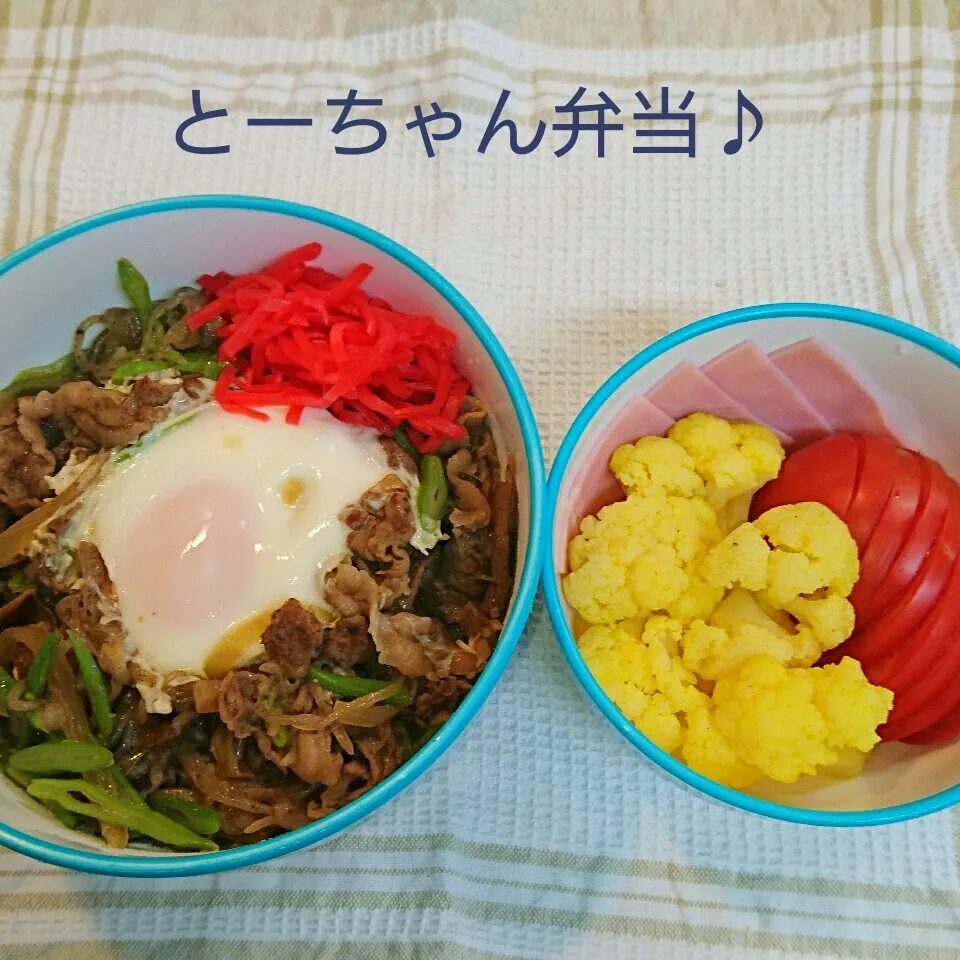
52 283
915 378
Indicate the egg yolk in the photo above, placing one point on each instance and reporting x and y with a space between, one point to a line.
190 555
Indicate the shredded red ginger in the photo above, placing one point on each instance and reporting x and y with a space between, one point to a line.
297 336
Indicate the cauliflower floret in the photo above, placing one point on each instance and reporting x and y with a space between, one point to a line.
638 555
734 459
644 677
830 619
708 752
712 652
767 714
739 558
851 706
656 463
696 602
812 549
797 646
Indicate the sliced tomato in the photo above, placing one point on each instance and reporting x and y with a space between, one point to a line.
944 729
927 525
923 671
883 462
892 531
826 472
901 617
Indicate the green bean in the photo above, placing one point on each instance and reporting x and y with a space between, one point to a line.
36 684
357 686
126 789
136 367
404 441
18 582
100 805
432 495
137 290
68 756
199 363
95 686
48 376
192 815
281 738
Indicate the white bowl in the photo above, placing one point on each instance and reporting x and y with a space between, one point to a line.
915 377
49 286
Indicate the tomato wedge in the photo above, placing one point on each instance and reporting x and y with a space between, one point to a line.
927 525
893 530
880 638
922 673
883 460
944 729
826 472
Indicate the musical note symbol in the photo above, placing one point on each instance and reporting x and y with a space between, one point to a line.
733 146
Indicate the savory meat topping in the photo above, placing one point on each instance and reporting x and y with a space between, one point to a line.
238 699
381 526
418 646
91 610
346 643
25 462
472 512
293 638
102 417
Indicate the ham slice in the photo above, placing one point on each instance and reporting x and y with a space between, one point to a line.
748 375
831 388
687 389
594 486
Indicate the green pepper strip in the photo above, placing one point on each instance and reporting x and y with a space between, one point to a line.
404 441
432 497
198 362
39 670
68 756
31 380
136 288
95 686
193 816
357 686
99 805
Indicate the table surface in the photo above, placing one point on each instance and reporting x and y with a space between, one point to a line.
541 834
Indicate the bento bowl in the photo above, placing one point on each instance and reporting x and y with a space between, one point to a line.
48 286
915 377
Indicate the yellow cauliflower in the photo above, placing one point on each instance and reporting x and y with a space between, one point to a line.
643 676
734 459
796 645
831 619
812 549
739 558
656 463
767 714
789 722
639 554
852 707
708 752
712 652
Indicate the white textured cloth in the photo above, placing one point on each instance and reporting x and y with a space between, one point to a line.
542 834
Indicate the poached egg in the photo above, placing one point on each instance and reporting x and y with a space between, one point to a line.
213 520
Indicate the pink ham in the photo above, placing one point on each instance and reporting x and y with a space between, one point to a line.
593 486
830 387
748 375
687 389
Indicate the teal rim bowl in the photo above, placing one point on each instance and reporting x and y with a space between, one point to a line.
179 865
555 604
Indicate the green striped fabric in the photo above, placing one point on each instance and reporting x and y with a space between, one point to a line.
541 835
